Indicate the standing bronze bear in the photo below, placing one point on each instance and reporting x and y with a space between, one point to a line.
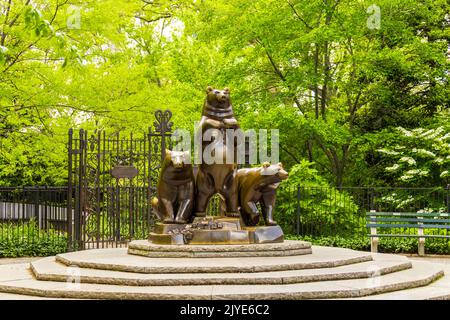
259 185
175 199
217 177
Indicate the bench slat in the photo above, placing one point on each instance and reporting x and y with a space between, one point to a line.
408 220
412 220
416 214
409 235
416 226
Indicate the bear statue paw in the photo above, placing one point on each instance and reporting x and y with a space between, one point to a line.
230 122
180 221
232 214
168 220
200 214
271 223
254 215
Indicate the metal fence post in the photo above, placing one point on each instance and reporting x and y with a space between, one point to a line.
80 195
448 197
36 206
69 214
298 210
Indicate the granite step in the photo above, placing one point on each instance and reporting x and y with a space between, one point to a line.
421 274
438 290
50 270
286 248
118 260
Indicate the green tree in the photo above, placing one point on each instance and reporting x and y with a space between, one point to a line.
319 60
333 84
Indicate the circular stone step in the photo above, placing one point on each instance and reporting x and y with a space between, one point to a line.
286 248
49 270
119 260
21 281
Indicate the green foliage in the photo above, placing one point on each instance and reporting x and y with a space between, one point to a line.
420 156
325 208
311 68
305 175
336 89
385 245
25 239
319 61
355 243
35 21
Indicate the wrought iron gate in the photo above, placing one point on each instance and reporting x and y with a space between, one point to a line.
112 177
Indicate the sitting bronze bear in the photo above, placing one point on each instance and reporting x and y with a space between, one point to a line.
175 199
258 185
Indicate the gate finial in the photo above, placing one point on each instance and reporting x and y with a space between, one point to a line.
163 123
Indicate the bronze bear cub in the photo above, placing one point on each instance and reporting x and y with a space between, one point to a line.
258 185
175 189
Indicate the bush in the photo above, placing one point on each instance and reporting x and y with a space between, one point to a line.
25 239
324 209
385 245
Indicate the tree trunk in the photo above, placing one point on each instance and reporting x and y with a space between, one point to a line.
316 86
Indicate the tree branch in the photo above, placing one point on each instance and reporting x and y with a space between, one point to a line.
13 21
298 16
282 77
16 58
290 154
165 16
2 41
58 5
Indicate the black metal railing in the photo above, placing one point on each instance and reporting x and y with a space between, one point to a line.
32 214
315 211
46 205
33 218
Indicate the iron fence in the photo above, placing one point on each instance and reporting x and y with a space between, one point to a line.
46 205
315 211
119 216
112 177
30 214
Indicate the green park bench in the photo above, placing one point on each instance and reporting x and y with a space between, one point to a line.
416 220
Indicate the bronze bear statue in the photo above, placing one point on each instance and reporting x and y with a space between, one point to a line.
258 185
175 190
217 177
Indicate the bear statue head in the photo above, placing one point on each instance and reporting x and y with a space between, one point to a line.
179 159
274 173
218 98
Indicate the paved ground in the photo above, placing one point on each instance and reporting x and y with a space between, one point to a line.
8 296
442 259
18 260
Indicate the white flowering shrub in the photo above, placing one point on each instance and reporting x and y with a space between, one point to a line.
422 157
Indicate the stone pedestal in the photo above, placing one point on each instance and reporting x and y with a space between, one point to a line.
167 234
268 234
214 230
